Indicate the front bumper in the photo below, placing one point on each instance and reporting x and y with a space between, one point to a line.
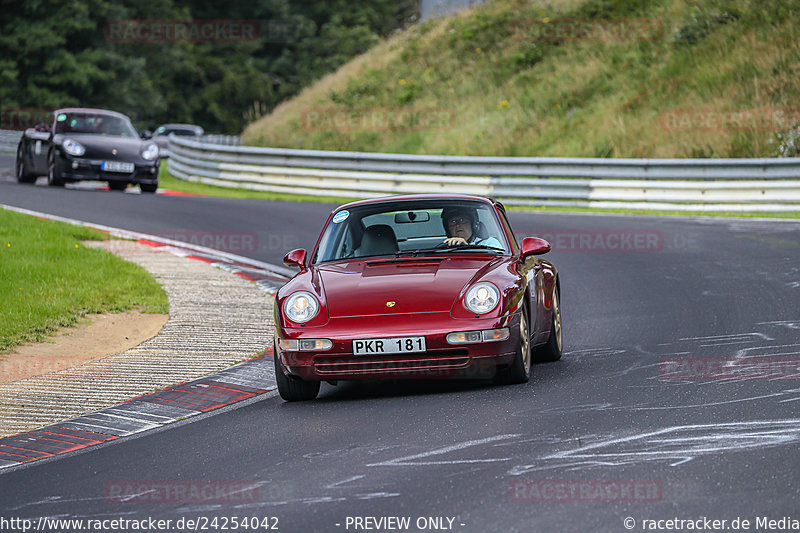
441 360
80 169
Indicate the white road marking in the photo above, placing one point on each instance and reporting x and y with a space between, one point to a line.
410 460
342 482
677 443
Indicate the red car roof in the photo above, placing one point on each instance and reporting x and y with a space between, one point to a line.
384 199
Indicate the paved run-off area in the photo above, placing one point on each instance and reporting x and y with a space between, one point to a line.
216 319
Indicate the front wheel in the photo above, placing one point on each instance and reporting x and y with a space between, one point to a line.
54 178
293 389
551 351
520 369
117 185
148 187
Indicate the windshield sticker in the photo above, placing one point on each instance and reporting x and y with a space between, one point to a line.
62 117
341 216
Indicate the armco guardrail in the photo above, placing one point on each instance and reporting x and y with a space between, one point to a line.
9 139
678 184
227 140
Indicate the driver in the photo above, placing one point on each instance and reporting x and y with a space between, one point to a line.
461 224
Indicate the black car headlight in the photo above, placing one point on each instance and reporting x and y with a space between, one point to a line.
150 152
73 147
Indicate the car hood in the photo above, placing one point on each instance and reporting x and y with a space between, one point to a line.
101 146
414 285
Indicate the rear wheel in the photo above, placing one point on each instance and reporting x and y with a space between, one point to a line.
117 185
293 389
54 178
520 369
552 350
23 176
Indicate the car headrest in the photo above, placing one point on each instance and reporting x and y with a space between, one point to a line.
378 239
480 231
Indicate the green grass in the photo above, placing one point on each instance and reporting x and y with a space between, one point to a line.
49 279
659 212
168 181
512 93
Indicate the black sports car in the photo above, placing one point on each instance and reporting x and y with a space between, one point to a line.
88 144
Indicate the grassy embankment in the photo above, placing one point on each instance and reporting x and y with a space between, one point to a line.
689 78
513 91
49 279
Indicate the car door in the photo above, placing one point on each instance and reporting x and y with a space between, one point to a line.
36 146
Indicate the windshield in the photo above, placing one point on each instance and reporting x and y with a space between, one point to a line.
97 123
412 228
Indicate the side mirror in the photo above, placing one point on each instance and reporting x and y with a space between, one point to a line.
296 258
533 246
146 134
41 127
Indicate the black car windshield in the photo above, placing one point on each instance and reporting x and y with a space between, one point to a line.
96 123
408 228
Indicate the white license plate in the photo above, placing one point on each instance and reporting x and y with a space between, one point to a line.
117 166
388 345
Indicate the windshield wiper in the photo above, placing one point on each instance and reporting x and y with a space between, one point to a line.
467 247
412 253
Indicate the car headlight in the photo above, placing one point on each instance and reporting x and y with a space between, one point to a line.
150 152
301 307
73 147
482 298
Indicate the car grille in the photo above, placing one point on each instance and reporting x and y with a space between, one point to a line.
387 364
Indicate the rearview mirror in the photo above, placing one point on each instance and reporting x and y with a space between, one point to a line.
533 246
296 258
412 216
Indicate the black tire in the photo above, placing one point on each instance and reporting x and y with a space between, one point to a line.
293 389
117 185
23 176
54 178
148 187
551 351
520 369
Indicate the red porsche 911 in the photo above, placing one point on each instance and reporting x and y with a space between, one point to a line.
416 286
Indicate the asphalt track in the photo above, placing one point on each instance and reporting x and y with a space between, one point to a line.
645 398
